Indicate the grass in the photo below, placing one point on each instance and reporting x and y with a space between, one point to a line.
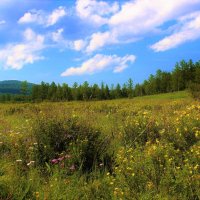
172 95
141 148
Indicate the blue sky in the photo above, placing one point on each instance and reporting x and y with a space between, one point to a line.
95 40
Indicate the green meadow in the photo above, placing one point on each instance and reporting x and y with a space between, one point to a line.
140 148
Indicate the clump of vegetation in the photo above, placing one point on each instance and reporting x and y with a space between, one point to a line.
58 139
195 90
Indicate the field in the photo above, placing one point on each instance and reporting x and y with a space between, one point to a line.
140 148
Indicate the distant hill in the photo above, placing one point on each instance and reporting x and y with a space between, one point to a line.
12 87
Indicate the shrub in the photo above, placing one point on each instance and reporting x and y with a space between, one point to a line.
68 140
194 89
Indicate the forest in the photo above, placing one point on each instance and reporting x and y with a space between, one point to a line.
185 75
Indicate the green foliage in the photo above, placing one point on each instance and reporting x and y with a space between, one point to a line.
194 89
56 137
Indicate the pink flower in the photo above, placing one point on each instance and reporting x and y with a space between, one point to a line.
61 158
54 161
72 168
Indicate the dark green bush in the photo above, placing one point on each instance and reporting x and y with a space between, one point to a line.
85 146
194 89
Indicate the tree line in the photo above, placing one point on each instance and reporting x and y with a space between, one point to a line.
184 75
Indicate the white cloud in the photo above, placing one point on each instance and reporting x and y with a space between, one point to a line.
78 45
57 35
99 63
33 16
95 12
137 18
99 40
189 30
55 16
42 18
15 56
2 22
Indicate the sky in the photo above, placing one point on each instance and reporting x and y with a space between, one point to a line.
108 41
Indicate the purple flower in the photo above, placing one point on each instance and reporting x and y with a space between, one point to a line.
61 158
55 161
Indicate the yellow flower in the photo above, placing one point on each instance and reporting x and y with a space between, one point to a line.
196 167
37 194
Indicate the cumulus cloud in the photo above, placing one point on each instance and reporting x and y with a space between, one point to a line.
98 40
95 12
189 30
99 63
42 18
55 16
138 18
15 56
34 16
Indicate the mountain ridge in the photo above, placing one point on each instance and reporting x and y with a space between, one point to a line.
13 87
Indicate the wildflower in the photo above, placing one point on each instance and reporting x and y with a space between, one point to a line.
54 161
30 148
37 194
72 168
149 185
61 158
196 167
31 163
170 159
68 156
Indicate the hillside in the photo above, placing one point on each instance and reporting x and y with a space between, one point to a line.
12 87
